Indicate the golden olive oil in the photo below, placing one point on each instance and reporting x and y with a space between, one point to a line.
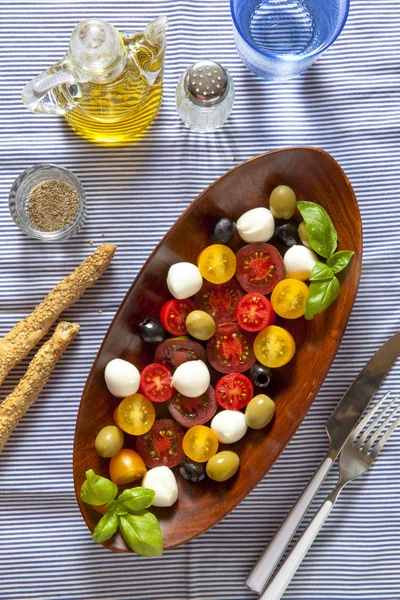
108 87
116 112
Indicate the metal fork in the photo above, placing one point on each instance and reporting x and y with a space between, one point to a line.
357 456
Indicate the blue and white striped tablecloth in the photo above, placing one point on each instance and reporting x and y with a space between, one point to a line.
349 104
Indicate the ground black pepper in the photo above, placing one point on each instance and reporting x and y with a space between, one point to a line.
52 205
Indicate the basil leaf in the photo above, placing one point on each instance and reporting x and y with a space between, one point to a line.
320 272
339 261
137 498
320 230
105 528
97 490
111 506
142 533
120 509
320 295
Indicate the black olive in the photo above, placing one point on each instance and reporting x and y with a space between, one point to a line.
261 376
223 231
151 331
192 471
287 233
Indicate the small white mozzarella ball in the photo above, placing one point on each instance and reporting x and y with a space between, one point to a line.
229 426
192 378
299 262
162 481
122 378
256 225
184 280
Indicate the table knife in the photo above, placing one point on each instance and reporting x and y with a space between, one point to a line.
338 427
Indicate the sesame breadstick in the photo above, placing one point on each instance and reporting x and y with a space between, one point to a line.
16 344
25 394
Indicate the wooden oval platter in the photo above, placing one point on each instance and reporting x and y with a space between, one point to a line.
315 176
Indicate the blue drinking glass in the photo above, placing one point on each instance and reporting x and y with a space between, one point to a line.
279 39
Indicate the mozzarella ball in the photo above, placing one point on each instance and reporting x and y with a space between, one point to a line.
192 378
122 378
162 481
229 426
299 262
184 280
256 225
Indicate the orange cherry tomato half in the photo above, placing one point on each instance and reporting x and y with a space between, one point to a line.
126 466
135 414
274 346
217 263
289 298
200 443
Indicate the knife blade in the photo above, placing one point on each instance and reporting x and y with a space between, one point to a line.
353 403
338 427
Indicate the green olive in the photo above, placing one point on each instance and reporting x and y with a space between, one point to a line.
109 441
200 325
303 235
223 465
282 202
259 411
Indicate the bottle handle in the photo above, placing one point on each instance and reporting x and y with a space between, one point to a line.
37 94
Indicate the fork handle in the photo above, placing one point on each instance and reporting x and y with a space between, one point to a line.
269 560
284 575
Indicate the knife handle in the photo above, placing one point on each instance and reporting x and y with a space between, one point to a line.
268 561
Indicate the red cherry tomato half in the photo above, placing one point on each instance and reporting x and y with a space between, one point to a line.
233 391
230 350
259 268
193 411
162 445
155 382
173 315
254 312
173 353
219 300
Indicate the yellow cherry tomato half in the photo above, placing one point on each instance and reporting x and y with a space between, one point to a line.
217 263
135 414
289 297
126 466
200 443
274 346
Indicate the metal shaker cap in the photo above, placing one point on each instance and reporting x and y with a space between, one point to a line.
206 83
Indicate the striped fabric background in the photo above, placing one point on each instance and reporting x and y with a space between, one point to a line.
349 104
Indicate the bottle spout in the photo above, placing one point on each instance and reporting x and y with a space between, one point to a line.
156 28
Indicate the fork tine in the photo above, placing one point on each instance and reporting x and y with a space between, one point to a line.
378 447
375 422
381 427
367 417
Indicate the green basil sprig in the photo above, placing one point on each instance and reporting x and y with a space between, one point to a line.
320 230
325 286
322 235
140 528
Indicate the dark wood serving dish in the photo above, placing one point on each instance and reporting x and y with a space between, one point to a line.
315 176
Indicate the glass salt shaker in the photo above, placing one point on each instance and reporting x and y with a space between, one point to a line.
205 95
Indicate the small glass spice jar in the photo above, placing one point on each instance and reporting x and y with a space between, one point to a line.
30 181
205 96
